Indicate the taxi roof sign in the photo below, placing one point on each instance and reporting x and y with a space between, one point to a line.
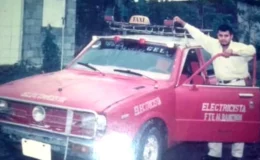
141 25
138 19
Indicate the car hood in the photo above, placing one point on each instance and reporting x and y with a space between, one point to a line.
73 89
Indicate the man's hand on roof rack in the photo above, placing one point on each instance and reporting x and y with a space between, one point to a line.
178 20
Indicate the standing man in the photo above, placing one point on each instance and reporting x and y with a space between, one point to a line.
228 70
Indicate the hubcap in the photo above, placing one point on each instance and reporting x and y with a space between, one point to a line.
151 148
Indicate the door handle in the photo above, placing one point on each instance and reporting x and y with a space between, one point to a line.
247 95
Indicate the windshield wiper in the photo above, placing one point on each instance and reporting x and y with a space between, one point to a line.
134 73
90 66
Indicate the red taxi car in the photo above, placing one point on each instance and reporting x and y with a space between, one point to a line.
130 96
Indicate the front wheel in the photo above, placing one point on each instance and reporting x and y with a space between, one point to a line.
151 145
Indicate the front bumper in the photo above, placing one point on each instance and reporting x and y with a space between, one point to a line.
59 143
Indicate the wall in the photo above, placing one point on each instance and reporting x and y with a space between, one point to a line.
32 37
40 13
70 31
11 14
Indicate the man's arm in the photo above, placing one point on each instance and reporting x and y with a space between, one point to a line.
204 40
240 49
244 50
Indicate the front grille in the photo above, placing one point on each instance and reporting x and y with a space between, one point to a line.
14 135
58 119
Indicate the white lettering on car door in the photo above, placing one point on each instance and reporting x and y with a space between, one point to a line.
223 112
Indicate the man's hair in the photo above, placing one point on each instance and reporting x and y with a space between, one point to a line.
224 28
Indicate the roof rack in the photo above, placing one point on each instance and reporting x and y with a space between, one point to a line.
168 29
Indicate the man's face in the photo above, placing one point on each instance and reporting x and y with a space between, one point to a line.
224 37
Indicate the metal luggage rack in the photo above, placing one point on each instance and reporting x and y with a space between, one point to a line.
163 30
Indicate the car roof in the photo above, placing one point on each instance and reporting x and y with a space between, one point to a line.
167 40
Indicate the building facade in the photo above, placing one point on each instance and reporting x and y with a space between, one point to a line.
23 24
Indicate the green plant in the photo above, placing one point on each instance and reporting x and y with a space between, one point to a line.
19 70
51 52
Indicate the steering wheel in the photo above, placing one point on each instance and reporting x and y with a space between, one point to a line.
156 70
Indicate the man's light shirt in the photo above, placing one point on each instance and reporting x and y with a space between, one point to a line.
225 68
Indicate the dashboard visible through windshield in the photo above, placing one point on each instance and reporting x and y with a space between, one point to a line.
108 55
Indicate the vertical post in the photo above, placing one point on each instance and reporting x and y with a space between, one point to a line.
202 16
254 61
200 4
68 127
254 71
62 42
63 35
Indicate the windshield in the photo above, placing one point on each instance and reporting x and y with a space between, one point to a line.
151 60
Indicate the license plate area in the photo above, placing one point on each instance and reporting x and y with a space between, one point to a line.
35 149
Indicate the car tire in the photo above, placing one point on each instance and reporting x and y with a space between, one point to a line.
151 144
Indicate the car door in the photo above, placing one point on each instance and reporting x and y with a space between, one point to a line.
217 113
207 112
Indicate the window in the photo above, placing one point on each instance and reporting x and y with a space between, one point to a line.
191 57
207 57
191 65
152 60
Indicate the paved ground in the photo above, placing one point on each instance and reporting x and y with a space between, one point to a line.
187 151
194 151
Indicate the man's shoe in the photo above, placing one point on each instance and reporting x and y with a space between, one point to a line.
207 157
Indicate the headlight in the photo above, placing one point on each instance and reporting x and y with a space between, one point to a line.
3 104
38 113
89 122
101 122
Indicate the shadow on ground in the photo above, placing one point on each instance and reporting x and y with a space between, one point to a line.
194 151
185 151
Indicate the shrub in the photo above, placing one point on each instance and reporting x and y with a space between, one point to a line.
51 52
19 70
